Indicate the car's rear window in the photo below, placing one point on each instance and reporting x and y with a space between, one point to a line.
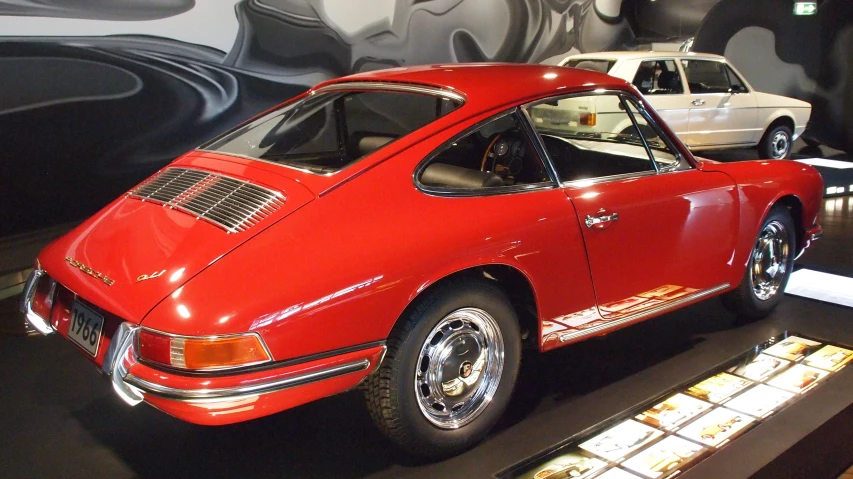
601 66
328 131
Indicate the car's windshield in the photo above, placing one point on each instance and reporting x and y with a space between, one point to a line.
328 131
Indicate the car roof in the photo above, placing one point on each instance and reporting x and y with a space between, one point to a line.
646 54
487 86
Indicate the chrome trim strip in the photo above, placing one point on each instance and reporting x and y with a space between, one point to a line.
406 87
221 394
664 307
34 320
125 338
604 179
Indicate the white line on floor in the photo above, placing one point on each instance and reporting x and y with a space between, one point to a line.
831 288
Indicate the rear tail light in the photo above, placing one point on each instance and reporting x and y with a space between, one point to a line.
587 119
202 353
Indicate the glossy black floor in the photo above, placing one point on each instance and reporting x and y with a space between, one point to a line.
59 418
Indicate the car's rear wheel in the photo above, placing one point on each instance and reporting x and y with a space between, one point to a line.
769 267
776 143
449 370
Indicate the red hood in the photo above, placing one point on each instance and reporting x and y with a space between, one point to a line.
130 238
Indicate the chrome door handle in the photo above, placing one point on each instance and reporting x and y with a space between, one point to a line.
698 102
600 220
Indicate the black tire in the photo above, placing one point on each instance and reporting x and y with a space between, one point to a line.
748 300
776 143
396 403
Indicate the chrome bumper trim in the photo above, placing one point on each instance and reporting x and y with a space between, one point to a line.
122 345
227 394
650 312
33 320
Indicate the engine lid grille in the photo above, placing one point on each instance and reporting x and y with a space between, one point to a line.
233 205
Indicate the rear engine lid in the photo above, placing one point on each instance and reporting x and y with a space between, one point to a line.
146 244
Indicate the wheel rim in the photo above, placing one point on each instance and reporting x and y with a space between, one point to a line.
780 144
459 368
770 260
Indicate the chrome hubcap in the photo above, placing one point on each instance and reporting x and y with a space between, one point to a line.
770 260
459 368
780 144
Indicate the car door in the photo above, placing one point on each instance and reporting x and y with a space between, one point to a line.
661 83
723 112
657 230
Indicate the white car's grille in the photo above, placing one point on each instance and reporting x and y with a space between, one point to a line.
231 204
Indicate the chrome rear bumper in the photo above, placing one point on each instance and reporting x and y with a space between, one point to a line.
34 321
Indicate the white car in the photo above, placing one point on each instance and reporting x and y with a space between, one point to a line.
705 100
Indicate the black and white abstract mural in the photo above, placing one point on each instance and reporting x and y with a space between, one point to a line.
98 94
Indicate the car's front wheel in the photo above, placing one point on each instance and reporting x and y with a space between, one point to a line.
449 371
769 267
776 143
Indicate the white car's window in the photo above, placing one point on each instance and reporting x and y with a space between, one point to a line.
601 66
590 136
658 77
706 76
498 154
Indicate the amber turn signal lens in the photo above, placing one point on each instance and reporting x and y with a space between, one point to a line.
222 352
202 353
587 119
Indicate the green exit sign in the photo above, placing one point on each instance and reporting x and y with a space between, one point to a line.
805 8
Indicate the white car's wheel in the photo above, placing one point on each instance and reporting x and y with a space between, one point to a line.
776 143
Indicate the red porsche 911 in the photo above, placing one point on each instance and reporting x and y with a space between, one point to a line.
411 231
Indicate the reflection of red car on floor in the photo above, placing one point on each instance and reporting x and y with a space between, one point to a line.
711 431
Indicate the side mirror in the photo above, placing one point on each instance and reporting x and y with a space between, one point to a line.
736 89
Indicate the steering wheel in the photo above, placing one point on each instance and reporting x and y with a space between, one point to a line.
505 154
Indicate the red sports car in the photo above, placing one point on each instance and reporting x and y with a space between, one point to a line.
411 231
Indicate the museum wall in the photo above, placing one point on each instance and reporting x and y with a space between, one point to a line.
97 94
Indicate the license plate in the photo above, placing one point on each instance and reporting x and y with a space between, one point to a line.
86 327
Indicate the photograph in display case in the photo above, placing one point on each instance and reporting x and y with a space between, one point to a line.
653 439
831 358
617 473
759 401
673 412
621 440
798 379
718 388
717 426
792 348
571 465
760 368
664 457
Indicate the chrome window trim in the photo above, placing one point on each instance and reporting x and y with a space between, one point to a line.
680 161
222 394
606 179
552 182
210 336
392 86
637 316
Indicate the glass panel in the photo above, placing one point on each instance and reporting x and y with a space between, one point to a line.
326 132
589 136
735 81
601 66
657 77
663 155
704 76
497 154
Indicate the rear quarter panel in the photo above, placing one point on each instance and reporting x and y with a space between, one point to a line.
341 271
762 184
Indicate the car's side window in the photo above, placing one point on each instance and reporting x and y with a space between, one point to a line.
661 151
658 77
498 154
707 76
590 136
